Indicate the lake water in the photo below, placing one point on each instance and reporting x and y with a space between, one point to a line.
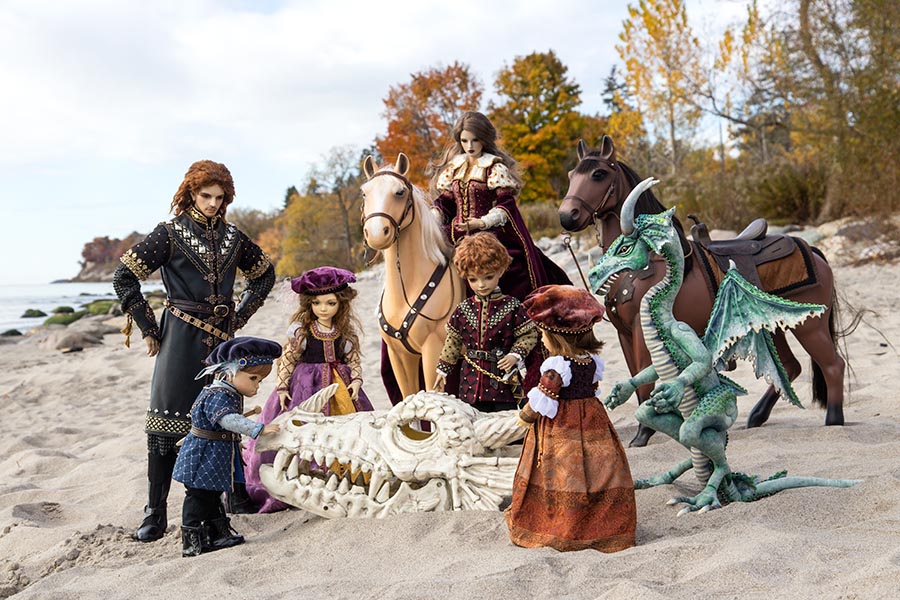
16 299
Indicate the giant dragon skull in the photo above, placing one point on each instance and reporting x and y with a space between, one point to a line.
376 464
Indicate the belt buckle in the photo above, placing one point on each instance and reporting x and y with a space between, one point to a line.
221 310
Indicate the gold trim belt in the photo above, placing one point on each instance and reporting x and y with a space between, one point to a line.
191 320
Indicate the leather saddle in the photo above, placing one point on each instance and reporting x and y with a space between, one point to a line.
751 248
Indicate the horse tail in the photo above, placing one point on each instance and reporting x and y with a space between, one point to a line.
838 332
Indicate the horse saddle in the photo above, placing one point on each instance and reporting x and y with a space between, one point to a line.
751 248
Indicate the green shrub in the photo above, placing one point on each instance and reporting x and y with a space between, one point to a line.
100 307
65 318
542 220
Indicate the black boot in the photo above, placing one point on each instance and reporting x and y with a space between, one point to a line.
153 527
220 534
238 501
191 541
159 476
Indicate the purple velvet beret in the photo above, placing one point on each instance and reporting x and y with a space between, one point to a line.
563 309
322 280
246 351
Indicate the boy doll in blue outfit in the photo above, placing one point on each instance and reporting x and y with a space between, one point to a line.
209 462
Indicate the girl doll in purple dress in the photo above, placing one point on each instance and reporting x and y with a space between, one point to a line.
322 348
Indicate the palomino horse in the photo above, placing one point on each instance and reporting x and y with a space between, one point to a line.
598 186
421 286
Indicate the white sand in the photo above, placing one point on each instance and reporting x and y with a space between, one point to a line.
73 464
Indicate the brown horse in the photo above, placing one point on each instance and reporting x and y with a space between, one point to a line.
598 186
421 286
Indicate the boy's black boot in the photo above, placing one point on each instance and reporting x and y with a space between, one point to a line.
220 534
238 501
191 541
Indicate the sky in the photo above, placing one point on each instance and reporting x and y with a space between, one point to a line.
106 103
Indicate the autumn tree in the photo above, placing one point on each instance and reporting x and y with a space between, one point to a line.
663 68
321 225
253 222
538 123
421 112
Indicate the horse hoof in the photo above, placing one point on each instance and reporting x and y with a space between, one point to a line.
641 438
757 418
834 416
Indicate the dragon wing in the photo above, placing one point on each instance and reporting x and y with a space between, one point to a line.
741 325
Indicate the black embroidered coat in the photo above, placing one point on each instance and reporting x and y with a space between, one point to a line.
199 259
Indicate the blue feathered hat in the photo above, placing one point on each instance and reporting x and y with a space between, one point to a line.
239 353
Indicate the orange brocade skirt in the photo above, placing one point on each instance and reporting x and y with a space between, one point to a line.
573 489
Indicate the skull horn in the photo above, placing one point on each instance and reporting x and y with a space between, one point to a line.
626 219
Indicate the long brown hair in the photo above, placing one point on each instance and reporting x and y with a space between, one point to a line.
571 345
345 320
485 132
201 174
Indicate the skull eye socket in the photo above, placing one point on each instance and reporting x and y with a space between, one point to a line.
415 434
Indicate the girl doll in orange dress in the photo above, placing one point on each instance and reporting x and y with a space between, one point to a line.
573 488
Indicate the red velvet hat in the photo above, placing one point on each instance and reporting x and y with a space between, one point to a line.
322 280
563 309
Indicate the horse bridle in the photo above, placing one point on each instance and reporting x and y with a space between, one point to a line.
410 206
587 207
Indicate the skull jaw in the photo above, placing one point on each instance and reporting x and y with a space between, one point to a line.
317 499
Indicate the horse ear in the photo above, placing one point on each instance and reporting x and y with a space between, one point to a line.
582 150
607 150
402 164
368 166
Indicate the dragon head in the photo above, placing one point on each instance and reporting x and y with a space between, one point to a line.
641 236
375 464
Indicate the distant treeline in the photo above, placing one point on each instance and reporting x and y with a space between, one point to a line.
805 98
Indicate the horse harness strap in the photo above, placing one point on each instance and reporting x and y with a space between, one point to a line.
414 310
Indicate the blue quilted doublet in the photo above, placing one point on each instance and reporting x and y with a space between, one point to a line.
211 464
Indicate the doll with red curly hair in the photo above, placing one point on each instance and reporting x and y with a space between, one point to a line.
199 254
489 333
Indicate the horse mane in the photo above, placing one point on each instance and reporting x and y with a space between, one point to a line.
433 244
647 203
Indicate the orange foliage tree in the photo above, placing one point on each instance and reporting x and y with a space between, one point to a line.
421 112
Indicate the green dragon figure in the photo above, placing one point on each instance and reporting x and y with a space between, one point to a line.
692 403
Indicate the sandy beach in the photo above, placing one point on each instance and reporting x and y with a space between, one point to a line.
73 465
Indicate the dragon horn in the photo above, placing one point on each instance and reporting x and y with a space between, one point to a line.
626 218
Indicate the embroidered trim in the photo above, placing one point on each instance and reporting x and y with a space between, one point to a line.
325 336
136 264
155 423
259 268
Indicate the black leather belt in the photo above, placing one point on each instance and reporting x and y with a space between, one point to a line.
489 355
218 310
